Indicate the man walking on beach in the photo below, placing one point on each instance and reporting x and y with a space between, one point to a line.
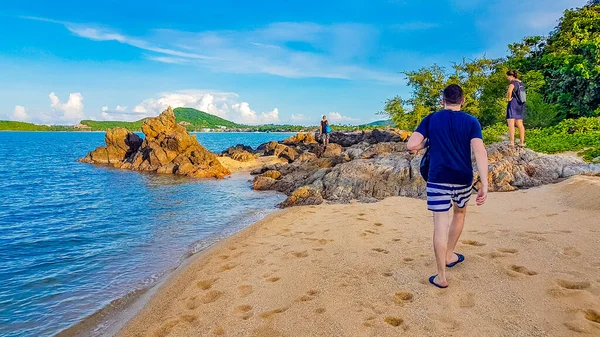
450 134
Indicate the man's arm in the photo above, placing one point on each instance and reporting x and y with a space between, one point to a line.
416 142
482 166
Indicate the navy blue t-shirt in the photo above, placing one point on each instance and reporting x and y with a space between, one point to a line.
449 134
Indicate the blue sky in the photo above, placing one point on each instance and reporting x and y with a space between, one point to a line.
248 61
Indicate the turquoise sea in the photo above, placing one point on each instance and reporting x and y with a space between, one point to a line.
74 237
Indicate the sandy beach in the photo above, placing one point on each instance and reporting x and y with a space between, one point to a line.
532 269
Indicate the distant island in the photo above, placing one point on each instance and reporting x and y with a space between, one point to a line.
193 120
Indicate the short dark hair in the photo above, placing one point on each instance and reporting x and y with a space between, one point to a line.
453 94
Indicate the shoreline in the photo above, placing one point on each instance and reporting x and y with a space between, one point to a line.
113 316
122 310
224 289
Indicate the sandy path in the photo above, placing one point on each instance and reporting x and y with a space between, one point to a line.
532 269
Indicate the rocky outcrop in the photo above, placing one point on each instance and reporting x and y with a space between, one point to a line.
303 196
167 148
301 138
240 152
372 171
120 143
286 152
513 168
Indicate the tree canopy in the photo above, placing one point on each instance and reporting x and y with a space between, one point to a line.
561 72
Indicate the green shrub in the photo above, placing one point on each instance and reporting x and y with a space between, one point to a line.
539 113
494 133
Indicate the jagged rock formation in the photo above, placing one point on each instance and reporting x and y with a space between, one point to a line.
167 148
372 166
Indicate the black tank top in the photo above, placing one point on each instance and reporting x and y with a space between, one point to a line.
324 126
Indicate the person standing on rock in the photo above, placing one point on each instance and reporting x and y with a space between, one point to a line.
450 135
325 130
515 111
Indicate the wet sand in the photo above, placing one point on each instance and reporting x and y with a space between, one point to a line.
532 269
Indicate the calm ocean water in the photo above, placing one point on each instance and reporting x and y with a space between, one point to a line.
74 237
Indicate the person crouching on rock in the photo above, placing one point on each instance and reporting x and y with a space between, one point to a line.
325 130
450 134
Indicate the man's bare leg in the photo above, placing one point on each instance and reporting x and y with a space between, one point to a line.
456 228
441 224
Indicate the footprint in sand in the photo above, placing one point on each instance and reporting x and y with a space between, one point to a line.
521 270
592 315
309 296
219 331
570 252
467 301
378 224
473 243
300 254
206 284
573 285
245 290
408 259
243 311
166 328
394 321
273 279
403 297
320 310
227 267
508 250
381 250
388 274
189 318
272 313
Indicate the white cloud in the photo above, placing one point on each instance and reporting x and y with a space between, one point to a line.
71 111
19 114
334 50
296 118
223 104
336 117
121 108
249 116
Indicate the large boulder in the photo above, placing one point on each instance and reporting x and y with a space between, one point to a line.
331 151
301 138
303 196
240 152
167 148
286 152
120 143
267 149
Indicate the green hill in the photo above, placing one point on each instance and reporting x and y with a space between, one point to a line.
387 122
22 126
200 120
103 125
197 120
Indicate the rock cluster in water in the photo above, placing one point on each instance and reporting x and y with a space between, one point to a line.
369 166
167 148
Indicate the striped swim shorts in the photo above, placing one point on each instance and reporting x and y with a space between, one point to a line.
441 196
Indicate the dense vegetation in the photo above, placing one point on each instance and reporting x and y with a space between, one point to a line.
22 126
200 120
103 125
561 73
